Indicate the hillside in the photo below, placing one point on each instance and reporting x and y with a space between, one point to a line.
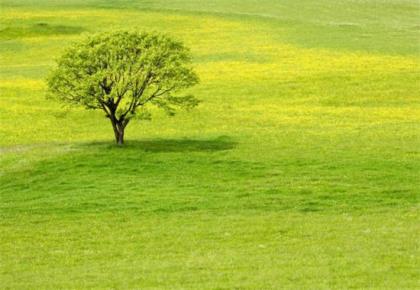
299 169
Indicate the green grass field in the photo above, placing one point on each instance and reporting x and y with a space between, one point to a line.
299 169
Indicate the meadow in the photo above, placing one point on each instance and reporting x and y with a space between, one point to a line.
298 170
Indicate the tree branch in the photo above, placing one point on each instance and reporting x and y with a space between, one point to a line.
137 96
155 95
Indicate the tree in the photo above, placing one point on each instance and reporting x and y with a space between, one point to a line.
122 73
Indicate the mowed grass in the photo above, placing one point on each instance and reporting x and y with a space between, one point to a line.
300 168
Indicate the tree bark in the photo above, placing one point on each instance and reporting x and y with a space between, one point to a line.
118 128
120 140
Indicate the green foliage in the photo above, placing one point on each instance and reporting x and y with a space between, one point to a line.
120 72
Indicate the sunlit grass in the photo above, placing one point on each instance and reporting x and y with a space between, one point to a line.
298 170
304 75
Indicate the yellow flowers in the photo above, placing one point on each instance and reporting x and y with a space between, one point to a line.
34 14
23 84
287 62
248 72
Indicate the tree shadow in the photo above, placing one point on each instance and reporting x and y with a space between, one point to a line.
174 145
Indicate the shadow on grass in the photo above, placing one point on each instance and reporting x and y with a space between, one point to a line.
173 145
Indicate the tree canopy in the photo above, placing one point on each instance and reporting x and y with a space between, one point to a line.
122 73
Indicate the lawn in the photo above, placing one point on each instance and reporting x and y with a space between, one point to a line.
299 169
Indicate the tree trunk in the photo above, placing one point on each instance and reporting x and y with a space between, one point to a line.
119 128
120 139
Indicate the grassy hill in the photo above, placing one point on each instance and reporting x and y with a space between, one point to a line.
298 170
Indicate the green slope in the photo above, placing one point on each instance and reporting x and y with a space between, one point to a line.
298 170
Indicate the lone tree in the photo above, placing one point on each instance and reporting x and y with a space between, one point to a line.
122 73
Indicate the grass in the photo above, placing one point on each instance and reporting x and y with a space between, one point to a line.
298 170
